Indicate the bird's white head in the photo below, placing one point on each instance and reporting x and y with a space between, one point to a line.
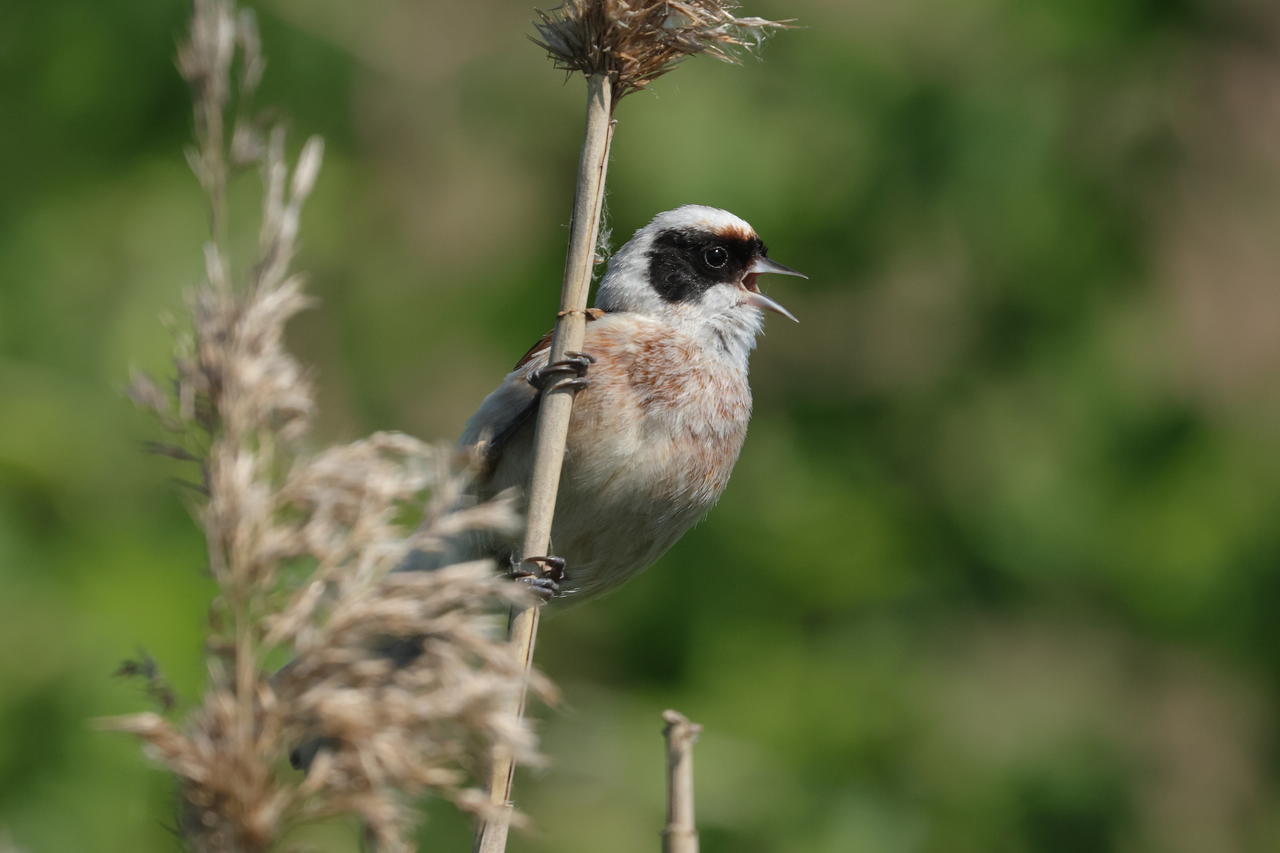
695 267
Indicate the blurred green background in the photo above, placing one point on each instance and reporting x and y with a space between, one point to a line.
1000 564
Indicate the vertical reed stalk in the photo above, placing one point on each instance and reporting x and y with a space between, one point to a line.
681 832
553 414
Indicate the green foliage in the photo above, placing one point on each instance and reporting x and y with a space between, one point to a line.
997 570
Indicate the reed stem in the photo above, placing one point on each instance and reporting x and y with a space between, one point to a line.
553 415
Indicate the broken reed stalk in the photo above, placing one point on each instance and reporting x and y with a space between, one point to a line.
620 46
681 832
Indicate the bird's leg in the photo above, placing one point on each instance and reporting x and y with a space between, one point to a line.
545 583
574 364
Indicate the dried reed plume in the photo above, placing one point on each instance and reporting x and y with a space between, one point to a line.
634 42
402 680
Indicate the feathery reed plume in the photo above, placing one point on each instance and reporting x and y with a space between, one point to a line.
681 832
401 683
633 42
620 46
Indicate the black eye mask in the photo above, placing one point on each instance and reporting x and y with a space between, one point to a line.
685 263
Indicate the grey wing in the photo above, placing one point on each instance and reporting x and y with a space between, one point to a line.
501 435
501 431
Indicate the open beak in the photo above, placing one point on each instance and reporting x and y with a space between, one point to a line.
761 266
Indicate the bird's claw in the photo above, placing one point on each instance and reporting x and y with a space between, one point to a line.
545 582
573 364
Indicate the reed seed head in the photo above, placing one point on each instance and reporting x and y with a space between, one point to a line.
634 42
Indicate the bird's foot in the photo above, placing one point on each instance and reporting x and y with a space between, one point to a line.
574 365
545 582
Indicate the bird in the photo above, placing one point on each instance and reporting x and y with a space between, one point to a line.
661 408
659 417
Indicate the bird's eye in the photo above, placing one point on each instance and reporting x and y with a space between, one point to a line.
715 256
